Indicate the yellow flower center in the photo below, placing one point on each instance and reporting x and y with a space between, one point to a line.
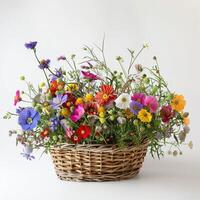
82 132
105 97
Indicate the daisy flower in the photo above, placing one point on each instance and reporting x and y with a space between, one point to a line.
123 101
135 107
105 95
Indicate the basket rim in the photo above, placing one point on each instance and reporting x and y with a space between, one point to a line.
98 147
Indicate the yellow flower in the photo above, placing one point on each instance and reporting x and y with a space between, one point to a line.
71 87
102 120
79 100
64 112
178 103
144 115
89 97
101 114
101 109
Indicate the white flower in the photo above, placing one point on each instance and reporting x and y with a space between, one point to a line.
121 120
123 101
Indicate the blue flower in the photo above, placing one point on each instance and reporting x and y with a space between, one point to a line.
54 123
28 119
135 107
44 64
27 153
31 45
58 101
58 74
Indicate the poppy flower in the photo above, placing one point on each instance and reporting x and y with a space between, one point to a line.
17 97
105 95
44 133
28 119
76 138
83 131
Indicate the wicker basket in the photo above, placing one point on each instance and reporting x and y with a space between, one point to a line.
97 162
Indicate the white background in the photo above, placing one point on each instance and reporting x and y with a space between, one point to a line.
172 28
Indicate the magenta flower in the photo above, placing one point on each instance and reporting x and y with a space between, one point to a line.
152 103
89 75
77 113
166 113
17 97
139 97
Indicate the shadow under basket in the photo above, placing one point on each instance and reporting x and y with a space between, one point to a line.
97 162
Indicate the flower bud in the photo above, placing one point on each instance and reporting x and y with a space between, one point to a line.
22 78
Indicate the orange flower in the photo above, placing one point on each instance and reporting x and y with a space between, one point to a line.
54 86
178 103
105 95
186 120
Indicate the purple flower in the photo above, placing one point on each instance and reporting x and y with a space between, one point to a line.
28 119
31 45
135 107
58 101
54 123
61 58
27 153
58 73
44 64
139 97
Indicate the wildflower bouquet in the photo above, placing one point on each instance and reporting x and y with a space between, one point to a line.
91 104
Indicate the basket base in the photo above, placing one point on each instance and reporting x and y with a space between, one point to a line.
96 178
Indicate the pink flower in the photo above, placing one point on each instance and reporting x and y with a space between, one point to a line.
77 113
139 97
69 132
17 97
90 75
152 103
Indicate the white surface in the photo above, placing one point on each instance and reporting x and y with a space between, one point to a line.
171 27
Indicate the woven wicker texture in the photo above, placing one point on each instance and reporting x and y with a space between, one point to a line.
97 162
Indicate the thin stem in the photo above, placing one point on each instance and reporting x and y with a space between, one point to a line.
135 59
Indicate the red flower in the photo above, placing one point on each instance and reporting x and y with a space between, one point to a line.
83 131
70 101
54 86
44 133
105 95
17 97
166 113
76 138
91 108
